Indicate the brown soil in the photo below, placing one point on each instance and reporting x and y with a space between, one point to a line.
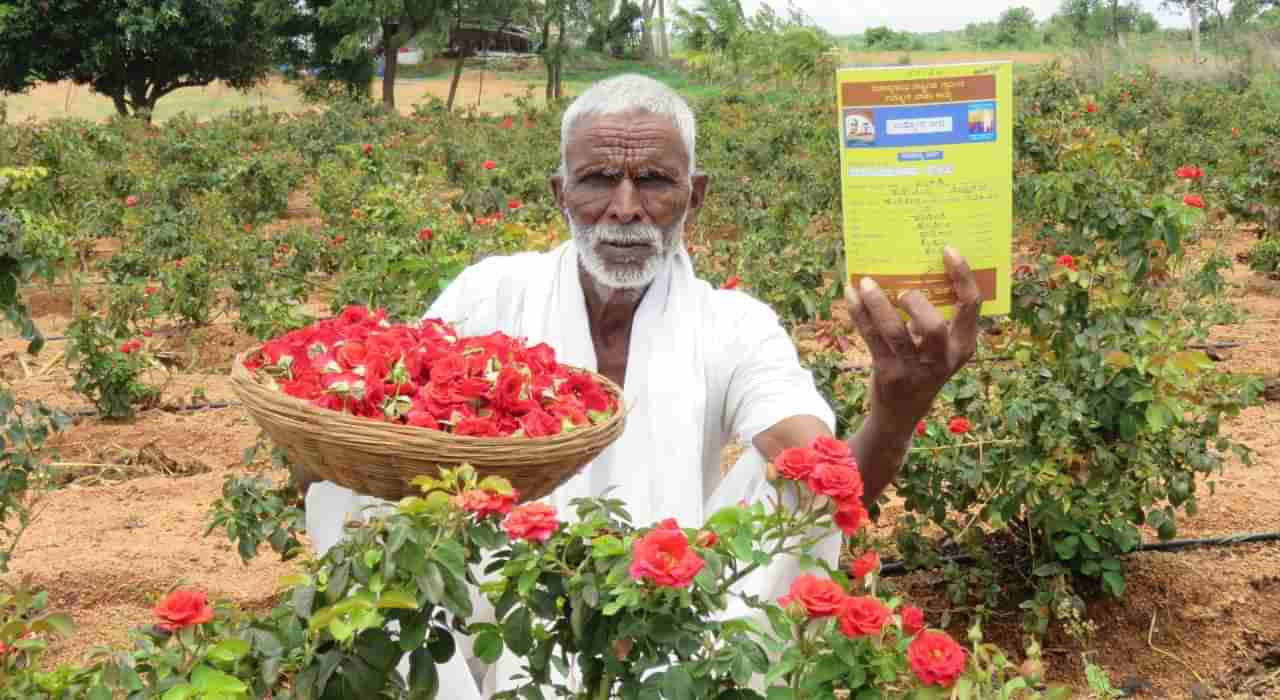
1198 623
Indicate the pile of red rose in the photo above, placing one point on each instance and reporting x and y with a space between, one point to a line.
427 375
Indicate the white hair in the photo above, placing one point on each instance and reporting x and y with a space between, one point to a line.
623 94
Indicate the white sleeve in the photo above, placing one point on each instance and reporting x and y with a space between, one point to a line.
767 383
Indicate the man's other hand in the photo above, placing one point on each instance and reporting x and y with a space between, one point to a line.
912 361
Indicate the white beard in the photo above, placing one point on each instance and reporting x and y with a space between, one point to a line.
625 276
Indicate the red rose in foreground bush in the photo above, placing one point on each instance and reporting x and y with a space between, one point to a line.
1093 107
367 148
959 425
508 123
912 619
514 204
482 503
1194 200
796 463
183 608
534 522
426 234
862 616
1189 172
832 448
707 539
665 558
866 564
131 201
489 165
732 282
820 597
840 482
936 658
850 517
922 428
1067 261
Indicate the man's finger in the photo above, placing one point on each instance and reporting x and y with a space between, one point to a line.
929 324
964 326
866 328
885 318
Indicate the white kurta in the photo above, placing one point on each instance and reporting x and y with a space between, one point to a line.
704 366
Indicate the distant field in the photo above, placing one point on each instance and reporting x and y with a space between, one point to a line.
67 100
882 58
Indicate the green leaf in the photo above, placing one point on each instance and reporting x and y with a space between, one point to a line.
517 631
488 646
210 680
677 684
1114 582
424 678
57 622
607 546
397 599
229 650
341 630
178 692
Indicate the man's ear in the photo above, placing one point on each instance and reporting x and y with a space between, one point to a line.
697 196
557 189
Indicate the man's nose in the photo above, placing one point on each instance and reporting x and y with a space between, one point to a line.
625 207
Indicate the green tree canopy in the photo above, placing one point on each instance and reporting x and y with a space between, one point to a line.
137 51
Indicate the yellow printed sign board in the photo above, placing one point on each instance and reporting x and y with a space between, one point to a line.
926 161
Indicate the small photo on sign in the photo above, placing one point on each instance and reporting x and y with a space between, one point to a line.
859 127
982 121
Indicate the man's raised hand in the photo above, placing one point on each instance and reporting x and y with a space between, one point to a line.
912 361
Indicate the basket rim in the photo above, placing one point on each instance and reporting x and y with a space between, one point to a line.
241 378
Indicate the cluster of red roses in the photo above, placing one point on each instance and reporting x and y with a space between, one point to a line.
1191 173
935 657
426 375
131 346
827 467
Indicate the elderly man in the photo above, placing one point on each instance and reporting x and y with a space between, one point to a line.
698 366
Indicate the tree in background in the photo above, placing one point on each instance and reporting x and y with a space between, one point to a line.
315 48
1016 28
1083 22
495 14
715 26
380 28
886 39
138 51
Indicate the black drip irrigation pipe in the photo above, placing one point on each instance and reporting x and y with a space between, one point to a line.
898 568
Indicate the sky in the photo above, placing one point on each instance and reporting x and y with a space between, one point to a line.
852 16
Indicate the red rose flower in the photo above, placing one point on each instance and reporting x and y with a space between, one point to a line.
912 619
477 426
426 234
863 616
665 558
422 419
183 608
489 165
146 333
131 201
514 204
837 481
538 423
959 425
1235 131
936 658
367 148
1067 261
732 282
796 463
831 448
482 504
508 123
534 522
850 517
1091 108
339 239
1194 200
820 597
922 428
1189 172
865 564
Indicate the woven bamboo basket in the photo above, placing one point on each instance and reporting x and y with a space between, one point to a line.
381 459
